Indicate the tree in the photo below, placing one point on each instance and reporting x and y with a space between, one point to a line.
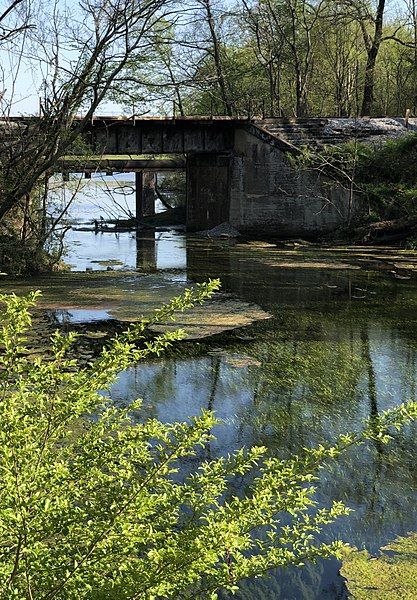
372 44
95 503
83 53
215 51
269 50
289 25
13 23
371 22
341 59
411 7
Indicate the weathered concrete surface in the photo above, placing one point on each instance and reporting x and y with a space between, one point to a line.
145 194
208 190
269 196
258 191
156 135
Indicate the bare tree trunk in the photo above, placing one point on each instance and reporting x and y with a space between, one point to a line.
217 57
413 8
373 46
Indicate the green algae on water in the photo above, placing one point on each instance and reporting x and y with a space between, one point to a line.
386 577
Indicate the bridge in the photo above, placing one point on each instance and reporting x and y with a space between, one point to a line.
238 170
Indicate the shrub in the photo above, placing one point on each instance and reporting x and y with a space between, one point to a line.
93 504
393 162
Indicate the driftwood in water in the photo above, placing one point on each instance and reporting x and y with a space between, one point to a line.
161 196
387 231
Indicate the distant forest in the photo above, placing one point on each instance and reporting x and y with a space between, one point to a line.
285 58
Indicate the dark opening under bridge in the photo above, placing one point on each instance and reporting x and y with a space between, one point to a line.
238 170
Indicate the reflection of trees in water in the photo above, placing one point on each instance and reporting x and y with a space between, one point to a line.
309 391
215 377
373 415
291 584
154 384
316 380
299 386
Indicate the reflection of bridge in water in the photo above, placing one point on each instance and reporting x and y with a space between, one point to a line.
266 276
160 251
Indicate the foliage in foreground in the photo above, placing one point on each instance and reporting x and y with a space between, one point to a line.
386 577
95 504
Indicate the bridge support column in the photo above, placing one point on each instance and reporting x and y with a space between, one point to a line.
146 252
145 194
208 190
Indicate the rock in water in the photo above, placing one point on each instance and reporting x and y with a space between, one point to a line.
224 230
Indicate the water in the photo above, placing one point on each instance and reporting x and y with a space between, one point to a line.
105 197
341 346
151 251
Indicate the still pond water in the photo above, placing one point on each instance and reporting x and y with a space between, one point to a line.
341 345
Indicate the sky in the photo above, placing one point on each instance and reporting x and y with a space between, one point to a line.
25 88
21 77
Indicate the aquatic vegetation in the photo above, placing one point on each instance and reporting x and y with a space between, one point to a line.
127 296
389 576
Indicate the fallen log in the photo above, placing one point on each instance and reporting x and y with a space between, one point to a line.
387 231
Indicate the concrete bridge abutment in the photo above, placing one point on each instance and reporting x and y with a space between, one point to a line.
270 195
258 188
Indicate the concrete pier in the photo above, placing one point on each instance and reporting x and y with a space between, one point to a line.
208 190
145 194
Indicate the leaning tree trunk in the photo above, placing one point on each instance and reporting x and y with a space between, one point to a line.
369 86
217 59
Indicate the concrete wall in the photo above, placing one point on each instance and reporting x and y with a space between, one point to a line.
268 196
145 193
